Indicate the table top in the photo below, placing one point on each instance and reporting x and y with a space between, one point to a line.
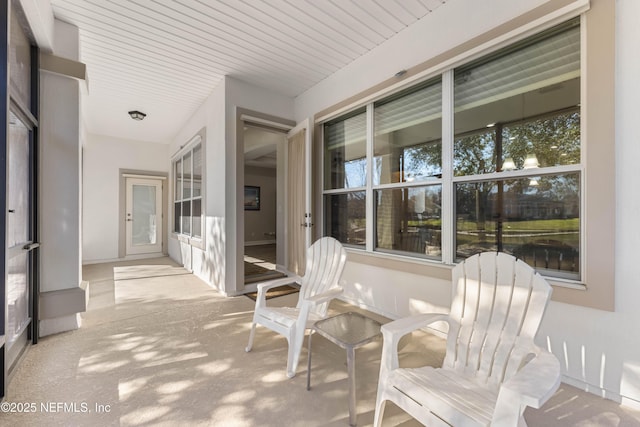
348 329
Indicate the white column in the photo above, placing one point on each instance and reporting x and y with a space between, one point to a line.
62 297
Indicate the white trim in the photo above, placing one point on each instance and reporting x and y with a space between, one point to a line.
265 122
520 173
369 205
185 147
447 220
129 175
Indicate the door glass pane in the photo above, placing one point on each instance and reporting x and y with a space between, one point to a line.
409 220
408 132
17 296
345 218
144 215
345 152
19 192
536 219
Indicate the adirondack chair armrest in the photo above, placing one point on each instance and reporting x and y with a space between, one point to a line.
536 382
392 332
263 287
326 296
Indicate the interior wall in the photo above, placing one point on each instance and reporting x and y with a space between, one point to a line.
260 225
597 349
103 159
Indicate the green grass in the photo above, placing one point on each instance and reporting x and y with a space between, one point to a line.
542 225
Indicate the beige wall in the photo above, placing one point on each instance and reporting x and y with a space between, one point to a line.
260 226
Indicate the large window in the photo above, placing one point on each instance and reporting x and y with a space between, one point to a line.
187 190
511 166
516 153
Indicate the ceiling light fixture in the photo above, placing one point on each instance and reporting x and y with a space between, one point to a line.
137 115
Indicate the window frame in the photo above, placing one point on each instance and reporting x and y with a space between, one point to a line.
595 288
198 141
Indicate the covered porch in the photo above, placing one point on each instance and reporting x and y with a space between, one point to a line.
159 346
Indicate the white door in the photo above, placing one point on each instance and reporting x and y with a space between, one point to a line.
143 217
299 220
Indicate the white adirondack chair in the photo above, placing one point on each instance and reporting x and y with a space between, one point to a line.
319 285
492 369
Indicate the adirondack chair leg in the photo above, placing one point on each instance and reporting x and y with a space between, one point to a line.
295 346
377 420
251 335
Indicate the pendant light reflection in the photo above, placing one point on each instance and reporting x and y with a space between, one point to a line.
531 162
508 164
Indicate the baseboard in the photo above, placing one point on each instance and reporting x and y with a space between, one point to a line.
126 258
593 389
260 242
60 324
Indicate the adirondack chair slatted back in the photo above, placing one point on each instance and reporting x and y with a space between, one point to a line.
497 307
324 265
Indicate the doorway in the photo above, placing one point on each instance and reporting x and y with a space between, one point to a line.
143 215
263 202
144 211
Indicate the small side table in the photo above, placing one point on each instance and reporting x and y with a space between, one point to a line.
349 331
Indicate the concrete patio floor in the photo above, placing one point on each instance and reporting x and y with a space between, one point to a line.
159 347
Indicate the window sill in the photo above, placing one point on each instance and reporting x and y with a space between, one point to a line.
407 264
192 241
430 268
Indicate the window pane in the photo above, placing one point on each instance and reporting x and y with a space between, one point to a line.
536 219
522 102
17 296
345 152
186 173
177 214
20 61
197 171
186 217
408 132
408 220
197 218
554 139
177 186
345 217
18 188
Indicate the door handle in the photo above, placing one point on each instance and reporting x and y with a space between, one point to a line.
31 246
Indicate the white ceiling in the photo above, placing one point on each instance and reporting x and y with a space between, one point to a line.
164 57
